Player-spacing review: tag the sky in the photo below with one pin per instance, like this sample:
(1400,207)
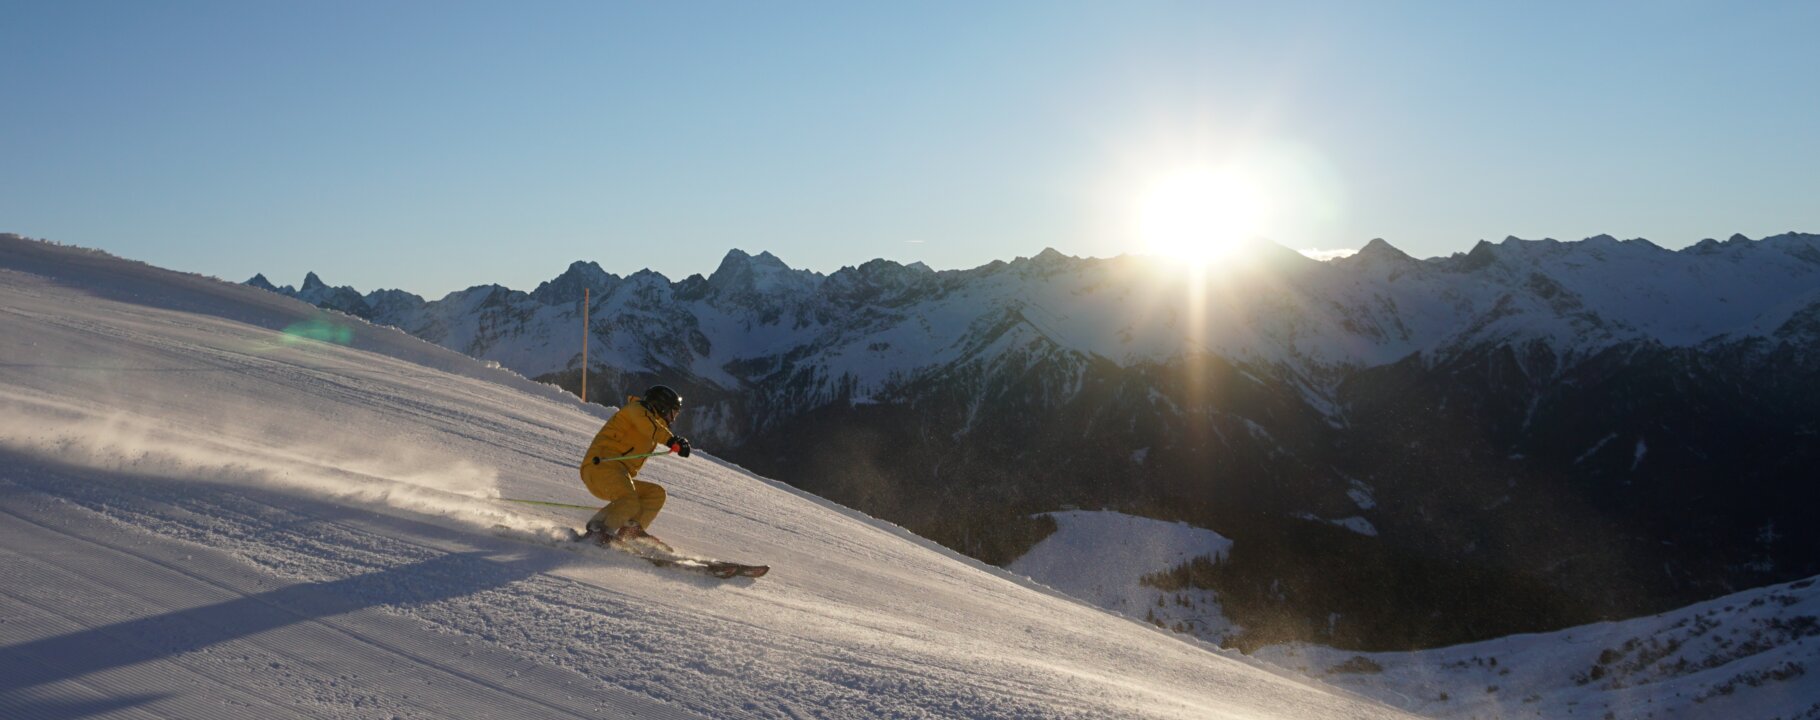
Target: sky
(432,146)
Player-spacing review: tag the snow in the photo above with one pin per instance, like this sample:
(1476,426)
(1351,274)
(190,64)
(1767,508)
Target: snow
(1101,557)
(201,516)
(1361,495)
(1751,654)
(1270,311)
(1357,524)
(1596,447)
(1354,523)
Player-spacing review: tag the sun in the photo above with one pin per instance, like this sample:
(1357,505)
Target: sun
(1200,214)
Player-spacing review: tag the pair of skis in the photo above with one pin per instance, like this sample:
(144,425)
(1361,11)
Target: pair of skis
(661,555)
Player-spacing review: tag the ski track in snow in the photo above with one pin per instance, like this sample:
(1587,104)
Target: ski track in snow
(203,518)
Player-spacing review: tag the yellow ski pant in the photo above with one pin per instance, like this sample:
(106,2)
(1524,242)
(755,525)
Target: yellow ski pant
(627,499)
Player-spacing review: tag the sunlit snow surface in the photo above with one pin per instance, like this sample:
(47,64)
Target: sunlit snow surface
(1753,654)
(1102,558)
(200,518)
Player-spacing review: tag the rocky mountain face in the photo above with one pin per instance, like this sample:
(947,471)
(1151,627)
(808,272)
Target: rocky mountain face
(1406,452)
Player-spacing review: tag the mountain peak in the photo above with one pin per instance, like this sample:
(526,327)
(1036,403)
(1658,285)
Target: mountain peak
(737,258)
(761,273)
(1047,260)
(763,283)
(346,299)
(1379,248)
(573,283)
(1709,246)
(1482,255)
(258,280)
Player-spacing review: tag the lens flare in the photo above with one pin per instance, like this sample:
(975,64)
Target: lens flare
(1200,214)
(317,330)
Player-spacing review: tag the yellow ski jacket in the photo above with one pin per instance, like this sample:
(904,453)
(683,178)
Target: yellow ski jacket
(633,430)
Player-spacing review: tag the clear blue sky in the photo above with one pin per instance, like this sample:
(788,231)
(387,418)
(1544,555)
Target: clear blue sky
(437,145)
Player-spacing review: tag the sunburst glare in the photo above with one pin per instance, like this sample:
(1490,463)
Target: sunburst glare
(1198,214)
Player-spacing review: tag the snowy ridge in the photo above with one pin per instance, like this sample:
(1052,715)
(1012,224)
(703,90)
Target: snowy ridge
(209,516)
(880,325)
(102,276)
(1752,654)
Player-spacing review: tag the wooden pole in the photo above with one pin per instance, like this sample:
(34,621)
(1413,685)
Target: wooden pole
(584,343)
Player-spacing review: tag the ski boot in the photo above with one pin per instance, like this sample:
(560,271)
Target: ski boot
(631,535)
(597,534)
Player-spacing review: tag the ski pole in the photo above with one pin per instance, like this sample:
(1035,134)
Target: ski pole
(666,451)
(547,504)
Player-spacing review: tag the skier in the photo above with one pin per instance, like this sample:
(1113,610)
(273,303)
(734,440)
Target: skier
(638,428)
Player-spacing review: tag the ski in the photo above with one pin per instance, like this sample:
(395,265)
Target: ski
(665,557)
(662,555)
(722,569)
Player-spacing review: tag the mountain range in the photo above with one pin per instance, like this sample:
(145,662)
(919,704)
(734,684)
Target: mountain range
(1405,452)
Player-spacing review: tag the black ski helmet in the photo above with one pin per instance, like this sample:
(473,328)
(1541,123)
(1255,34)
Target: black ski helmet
(663,401)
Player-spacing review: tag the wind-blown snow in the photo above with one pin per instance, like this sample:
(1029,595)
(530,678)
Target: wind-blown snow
(205,516)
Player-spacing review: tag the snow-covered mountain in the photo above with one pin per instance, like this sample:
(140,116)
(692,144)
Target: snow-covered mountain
(1586,430)
(219,502)
(882,324)
(1744,655)
(1750,654)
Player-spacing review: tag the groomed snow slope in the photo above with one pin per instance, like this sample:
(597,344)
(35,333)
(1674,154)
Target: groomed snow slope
(203,516)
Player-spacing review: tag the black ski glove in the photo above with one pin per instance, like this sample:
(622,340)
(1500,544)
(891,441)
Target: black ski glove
(679,445)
